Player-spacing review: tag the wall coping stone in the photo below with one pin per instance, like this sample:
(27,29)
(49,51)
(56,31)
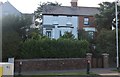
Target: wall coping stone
(49,59)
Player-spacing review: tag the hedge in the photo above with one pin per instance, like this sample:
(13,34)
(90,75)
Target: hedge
(46,48)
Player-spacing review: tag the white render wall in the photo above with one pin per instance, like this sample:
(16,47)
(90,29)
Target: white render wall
(60,21)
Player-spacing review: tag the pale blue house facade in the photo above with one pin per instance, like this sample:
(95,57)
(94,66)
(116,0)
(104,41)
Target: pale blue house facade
(55,26)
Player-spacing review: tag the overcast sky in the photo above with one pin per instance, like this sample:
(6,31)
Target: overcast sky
(29,6)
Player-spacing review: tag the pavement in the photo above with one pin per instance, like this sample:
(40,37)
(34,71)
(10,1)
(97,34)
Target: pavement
(99,71)
(106,72)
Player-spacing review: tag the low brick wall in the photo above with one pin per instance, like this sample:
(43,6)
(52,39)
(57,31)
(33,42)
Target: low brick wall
(50,64)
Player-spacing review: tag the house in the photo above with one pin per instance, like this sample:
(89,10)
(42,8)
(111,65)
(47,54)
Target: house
(59,19)
(87,20)
(56,21)
(9,9)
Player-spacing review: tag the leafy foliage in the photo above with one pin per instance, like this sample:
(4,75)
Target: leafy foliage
(106,39)
(40,8)
(47,48)
(12,32)
(68,35)
(82,34)
(85,35)
(106,15)
(106,42)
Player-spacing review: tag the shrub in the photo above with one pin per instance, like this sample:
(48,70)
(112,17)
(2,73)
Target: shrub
(47,48)
(106,42)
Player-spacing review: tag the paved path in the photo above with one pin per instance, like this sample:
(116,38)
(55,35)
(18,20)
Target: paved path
(100,71)
(106,72)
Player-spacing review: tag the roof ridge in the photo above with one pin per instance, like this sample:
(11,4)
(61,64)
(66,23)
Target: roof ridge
(68,10)
(75,7)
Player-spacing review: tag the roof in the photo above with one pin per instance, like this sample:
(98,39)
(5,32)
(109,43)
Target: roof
(66,10)
(7,7)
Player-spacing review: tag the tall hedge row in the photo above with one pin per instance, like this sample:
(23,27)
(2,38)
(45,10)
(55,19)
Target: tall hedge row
(46,48)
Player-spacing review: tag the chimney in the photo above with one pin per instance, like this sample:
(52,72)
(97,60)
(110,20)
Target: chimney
(1,3)
(74,3)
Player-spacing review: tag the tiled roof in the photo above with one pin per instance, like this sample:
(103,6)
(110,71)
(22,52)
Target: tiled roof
(66,10)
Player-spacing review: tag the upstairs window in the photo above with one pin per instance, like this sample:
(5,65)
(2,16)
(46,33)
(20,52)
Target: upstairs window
(86,21)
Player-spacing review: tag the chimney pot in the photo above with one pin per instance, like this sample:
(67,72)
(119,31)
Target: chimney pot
(74,3)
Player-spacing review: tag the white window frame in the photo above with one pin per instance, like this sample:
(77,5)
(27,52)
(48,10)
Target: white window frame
(86,21)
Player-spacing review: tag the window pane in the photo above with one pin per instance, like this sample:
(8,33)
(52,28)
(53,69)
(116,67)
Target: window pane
(48,33)
(91,34)
(86,21)
(60,33)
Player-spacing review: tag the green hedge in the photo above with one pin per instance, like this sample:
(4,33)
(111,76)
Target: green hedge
(46,48)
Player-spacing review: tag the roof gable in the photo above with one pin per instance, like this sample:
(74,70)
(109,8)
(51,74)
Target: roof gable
(7,7)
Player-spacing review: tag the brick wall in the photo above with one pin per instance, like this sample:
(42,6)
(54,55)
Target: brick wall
(50,64)
(91,22)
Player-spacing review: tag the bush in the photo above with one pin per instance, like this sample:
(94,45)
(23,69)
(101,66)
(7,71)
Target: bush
(106,42)
(46,48)
(68,35)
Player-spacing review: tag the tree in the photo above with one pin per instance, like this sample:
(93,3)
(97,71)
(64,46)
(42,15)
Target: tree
(105,17)
(24,26)
(85,35)
(39,10)
(82,34)
(13,28)
(106,42)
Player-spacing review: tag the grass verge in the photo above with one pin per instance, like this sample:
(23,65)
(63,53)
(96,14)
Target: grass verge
(60,74)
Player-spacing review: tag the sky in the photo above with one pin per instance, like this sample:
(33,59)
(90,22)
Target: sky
(29,6)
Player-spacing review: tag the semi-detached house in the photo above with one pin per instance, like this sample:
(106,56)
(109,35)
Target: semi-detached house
(59,19)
